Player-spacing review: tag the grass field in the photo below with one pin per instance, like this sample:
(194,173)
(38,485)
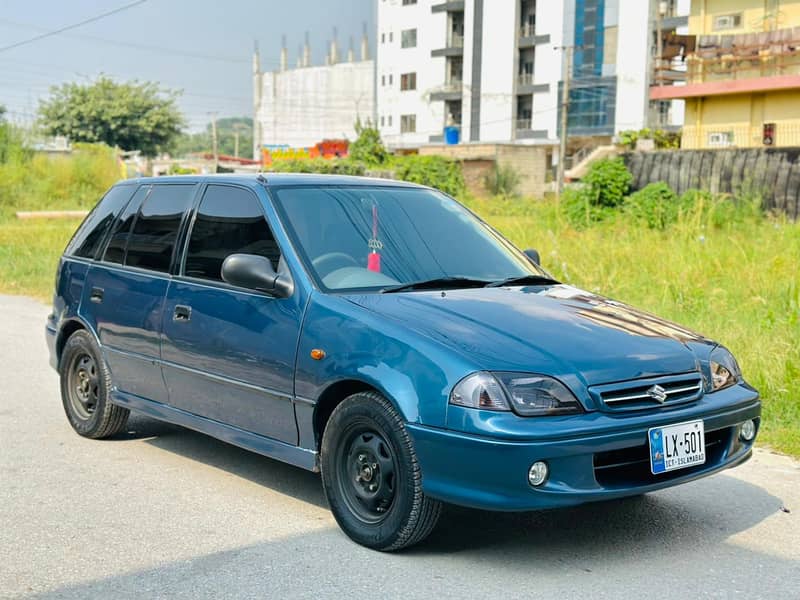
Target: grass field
(738,283)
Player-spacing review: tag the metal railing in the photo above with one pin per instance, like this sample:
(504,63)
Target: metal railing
(525,79)
(527,30)
(740,136)
(735,56)
(455,40)
(524,123)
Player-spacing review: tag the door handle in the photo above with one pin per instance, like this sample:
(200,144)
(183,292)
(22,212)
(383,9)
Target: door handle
(96,295)
(182,313)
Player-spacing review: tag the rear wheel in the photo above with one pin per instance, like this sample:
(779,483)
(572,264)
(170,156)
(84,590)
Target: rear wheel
(85,386)
(371,475)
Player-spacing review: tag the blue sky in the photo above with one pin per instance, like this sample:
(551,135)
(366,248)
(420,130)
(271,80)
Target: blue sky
(202,47)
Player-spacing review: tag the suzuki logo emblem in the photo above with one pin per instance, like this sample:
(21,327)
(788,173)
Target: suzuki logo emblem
(657,393)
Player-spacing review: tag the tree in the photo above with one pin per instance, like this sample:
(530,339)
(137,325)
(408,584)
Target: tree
(131,115)
(227,129)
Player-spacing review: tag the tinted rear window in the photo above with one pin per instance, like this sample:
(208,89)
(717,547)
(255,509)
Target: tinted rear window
(118,240)
(92,232)
(152,241)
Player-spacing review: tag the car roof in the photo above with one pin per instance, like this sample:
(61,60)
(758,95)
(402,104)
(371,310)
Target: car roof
(274,179)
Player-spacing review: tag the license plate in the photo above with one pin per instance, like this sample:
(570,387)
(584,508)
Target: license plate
(677,446)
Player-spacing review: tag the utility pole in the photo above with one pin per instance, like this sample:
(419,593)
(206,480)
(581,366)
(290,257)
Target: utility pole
(214,144)
(238,128)
(562,140)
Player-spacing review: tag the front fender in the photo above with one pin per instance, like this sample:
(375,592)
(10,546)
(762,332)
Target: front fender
(414,372)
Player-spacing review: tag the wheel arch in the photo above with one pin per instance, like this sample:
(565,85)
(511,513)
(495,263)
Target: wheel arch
(66,330)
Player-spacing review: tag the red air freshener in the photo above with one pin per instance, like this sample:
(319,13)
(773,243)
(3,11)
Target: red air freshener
(374,258)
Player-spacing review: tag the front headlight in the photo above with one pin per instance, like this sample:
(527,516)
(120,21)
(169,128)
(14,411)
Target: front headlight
(527,394)
(724,370)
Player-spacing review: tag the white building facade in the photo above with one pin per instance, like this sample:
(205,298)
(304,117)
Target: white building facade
(299,107)
(494,68)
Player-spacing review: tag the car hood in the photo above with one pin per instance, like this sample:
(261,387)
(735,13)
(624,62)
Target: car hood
(555,329)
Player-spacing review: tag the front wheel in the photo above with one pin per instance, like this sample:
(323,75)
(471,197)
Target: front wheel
(371,475)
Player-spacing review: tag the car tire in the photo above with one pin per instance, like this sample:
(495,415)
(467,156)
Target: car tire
(85,387)
(371,476)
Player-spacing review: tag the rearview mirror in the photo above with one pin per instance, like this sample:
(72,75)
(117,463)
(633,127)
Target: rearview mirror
(255,272)
(533,255)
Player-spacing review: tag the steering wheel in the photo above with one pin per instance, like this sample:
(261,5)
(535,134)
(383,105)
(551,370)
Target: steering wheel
(331,261)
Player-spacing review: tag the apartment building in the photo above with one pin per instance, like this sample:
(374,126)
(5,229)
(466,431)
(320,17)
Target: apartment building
(742,79)
(495,69)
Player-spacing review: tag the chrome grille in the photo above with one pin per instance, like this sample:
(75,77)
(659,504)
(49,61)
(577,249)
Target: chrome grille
(655,392)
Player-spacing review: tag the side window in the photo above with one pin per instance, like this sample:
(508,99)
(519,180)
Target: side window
(229,221)
(115,249)
(92,232)
(155,230)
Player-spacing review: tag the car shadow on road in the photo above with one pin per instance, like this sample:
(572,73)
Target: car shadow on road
(279,476)
(694,515)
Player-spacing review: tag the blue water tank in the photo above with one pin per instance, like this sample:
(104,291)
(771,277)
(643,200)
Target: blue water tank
(452,135)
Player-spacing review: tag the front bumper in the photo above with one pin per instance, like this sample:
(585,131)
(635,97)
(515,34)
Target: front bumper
(605,460)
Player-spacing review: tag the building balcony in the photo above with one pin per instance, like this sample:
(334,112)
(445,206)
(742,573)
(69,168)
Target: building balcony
(523,123)
(451,6)
(727,64)
(454,47)
(526,85)
(451,90)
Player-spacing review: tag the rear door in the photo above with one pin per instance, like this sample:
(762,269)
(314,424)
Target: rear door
(124,292)
(228,352)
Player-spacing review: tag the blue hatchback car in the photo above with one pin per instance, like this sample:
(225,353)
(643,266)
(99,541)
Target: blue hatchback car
(384,335)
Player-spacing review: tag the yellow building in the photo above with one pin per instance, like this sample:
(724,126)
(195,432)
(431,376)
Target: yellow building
(742,74)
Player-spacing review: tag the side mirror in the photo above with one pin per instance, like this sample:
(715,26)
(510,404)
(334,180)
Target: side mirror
(255,272)
(533,255)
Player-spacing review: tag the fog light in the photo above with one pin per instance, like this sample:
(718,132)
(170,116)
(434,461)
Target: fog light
(748,431)
(537,473)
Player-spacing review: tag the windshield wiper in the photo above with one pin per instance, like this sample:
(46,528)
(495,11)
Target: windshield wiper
(522,280)
(437,283)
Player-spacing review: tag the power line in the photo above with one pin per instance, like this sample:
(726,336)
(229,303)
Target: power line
(73,26)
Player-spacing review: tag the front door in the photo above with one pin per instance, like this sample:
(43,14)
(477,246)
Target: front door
(228,353)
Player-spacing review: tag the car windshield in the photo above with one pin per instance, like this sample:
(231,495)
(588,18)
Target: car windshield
(375,238)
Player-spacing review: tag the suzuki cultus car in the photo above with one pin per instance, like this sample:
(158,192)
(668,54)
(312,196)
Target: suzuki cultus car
(384,335)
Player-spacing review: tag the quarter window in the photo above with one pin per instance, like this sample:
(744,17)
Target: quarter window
(152,241)
(86,241)
(229,221)
(118,240)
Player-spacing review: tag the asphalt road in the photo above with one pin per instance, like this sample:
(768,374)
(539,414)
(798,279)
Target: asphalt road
(165,512)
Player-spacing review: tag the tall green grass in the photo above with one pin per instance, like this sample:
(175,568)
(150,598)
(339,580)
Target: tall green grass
(736,280)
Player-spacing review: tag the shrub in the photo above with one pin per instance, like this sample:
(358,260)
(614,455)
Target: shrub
(503,180)
(661,139)
(580,210)
(368,147)
(435,171)
(607,182)
(318,165)
(655,204)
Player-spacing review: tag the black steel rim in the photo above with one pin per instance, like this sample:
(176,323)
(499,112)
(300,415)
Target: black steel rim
(83,386)
(367,474)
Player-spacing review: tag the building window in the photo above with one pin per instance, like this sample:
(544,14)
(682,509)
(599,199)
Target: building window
(382,121)
(383,80)
(408,38)
(733,21)
(408,123)
(408,81)
(720,139)
(391,79)
(383,38)
(389,120)
(409,2)
(391,36)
